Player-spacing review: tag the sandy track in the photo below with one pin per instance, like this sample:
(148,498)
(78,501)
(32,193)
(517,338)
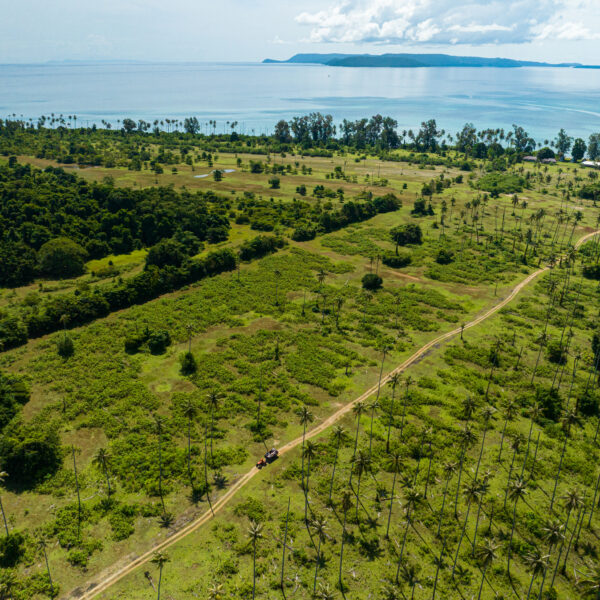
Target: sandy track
(106,580)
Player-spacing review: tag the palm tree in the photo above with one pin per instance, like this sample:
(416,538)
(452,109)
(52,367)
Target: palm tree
(568,418)
(542,340)
(538,563)
(78,491)
(213,401)
(410,574)
(160,559)
(510,411)
(338,434)
(484,488)
(362,463)
(325,592)
(375,404)
(277,275)
(309,452)
(394,382)
(189,412)
(394,463)
(515,445)
(255,533)
(572,500)
(42,545)
(472,492)
(591,583)
(319,525)
(160,473)
(101,461)
(346,504)
(413,499)
(287,520)
(449,468)
(467,437)
(488,414)
(408,383)
(518,490)
(486,555)
(3,478)
(215,591)
(552,534)
(306,417)
(358,410)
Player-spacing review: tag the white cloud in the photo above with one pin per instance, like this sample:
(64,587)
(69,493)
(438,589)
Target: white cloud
(448,21)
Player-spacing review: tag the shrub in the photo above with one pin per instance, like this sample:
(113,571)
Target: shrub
(589,404)
(371,281)
(159,341)
(550,401)
(62,257)
(65,346)
(29,455)
(420,209)
(406,234)
(556,352)
(304,234)
(544,153)
(592,272)
(188,363)
(397,261)
(444,257)
(12,549)
(275,183)
(260,246)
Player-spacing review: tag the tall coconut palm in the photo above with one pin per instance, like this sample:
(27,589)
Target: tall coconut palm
(484,488)
(510,410)
(42,545)
(542,341)
(284,548)
(568,418)
(255,533)
(394,381)
(394,464)
(590,583)
(412,499)
(346,505)
(518,491)
(467,438)
(375,404)
(449,469)
(487,414)
(472,493)
(190,411)
(361,463)
(213,402)
(3,478)
(407,383)
(338,433)
(410,574)
(537,563)
(515,445)
(306,417)
(309,452)
(486,555)
(438,565)
(101,460)
(552,535)
(160,559)
(358,410)
(320,527)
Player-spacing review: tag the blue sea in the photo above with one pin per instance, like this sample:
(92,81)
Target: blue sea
(256,96)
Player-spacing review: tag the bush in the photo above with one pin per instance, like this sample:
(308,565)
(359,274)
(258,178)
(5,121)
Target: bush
(275,183)
(550,401)
(371,281)
(29,455)
(397,261)
(589,404)
(188,363)
(260,246)
(592,272)
(420,209)
(159,341)
(406,234)
(304,234)
(556,352)
(12,549)
(62,257)
(444,257)
(544,153)
(65,346)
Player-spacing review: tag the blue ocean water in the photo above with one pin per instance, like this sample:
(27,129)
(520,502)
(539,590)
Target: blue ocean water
(255,95)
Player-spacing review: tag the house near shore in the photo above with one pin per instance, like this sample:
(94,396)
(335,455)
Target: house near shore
(590,164)
(544,161)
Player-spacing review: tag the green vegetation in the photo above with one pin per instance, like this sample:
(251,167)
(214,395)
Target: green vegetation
(137,388)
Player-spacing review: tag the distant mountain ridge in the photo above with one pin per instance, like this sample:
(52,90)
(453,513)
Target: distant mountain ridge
(414,61)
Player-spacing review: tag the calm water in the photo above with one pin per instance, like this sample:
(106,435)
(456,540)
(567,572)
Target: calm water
(542,100)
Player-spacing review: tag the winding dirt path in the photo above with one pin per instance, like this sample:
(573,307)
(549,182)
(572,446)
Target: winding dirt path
(94,588)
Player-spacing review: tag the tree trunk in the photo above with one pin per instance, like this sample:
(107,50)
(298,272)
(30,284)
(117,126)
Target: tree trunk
(159,581)
(287,518)
(387,443)
(562,455)
(462,535)
(387,531)
(333,471)
(485,568)
(253,569)
(512,533)
(4,517)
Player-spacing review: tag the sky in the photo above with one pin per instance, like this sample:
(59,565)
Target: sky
(251,30)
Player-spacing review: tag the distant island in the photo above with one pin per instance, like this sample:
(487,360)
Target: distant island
(416,60)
